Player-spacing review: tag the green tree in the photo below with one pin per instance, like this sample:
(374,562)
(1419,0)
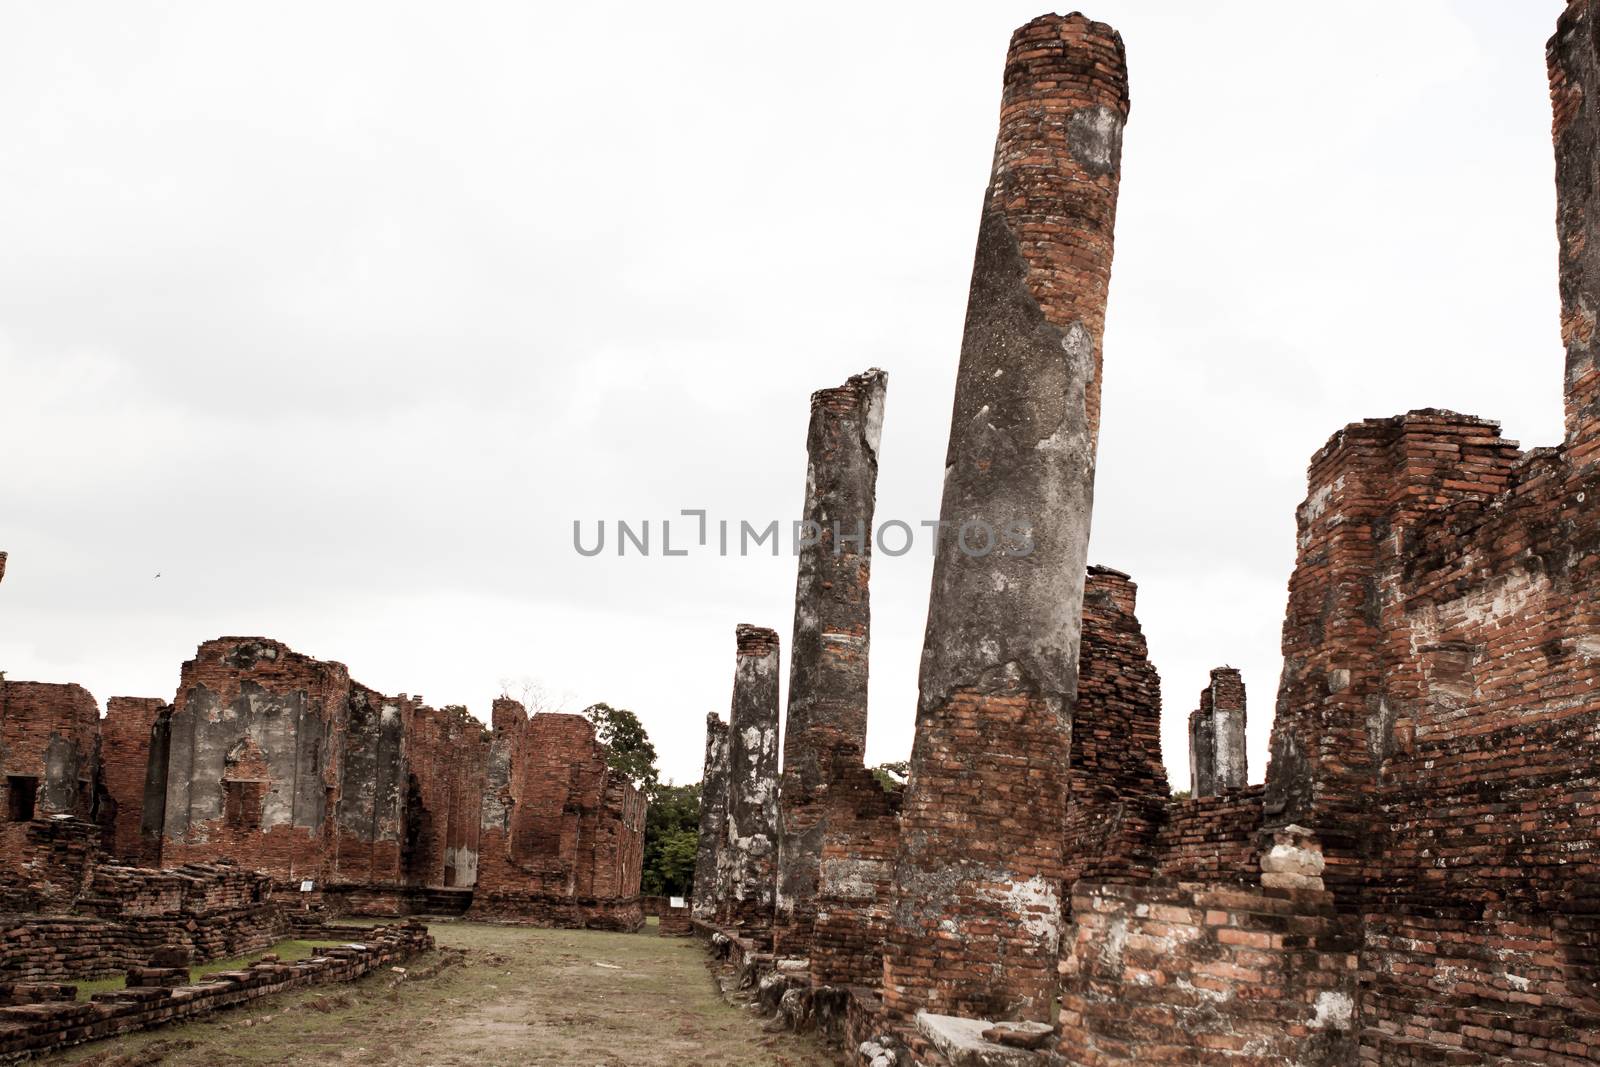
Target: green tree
(892,776)
(627,744)
(671,840)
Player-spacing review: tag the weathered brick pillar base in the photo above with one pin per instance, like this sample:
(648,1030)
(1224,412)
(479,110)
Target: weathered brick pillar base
(829,653)
(748,855)
(976,924)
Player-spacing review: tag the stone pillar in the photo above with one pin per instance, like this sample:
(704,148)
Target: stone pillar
(713,815)
(828,655)
(977,922)
(1217,760)
(1202,751)
(1573,55)
(748,856)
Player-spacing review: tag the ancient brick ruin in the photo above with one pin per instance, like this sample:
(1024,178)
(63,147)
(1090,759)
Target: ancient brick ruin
(1414,882)
(828,658)
(274,787)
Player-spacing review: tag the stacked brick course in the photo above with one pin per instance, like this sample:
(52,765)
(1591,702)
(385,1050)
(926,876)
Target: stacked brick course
(126,915)
(1117,784)
(829,654)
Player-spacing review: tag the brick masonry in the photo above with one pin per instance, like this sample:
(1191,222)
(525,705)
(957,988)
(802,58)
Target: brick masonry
(562,837)
(49,737)
(282,764)
(828,656)
(860,840)
(39,1019)
(1117,785)
(976,923)
(133,729)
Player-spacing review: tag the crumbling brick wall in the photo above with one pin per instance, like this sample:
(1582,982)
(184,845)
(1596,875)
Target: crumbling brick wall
(48,863)
(562,839)
(132,738)
(1441,692)
(372,808)
(1438,712)
(856,875)
(124,915)
(1211,839)
(254,760)
(49,737)
(1117,785)
(444,766)
(1185,974)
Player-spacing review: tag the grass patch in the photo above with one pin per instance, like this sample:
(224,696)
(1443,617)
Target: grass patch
(289,951)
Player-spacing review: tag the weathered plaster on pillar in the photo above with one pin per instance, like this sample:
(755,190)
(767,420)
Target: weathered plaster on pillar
(829,653)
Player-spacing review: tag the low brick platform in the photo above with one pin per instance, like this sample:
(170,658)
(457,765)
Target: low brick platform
(57,1021)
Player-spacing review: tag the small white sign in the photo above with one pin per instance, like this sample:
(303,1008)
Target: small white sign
(676,902)
(306,886)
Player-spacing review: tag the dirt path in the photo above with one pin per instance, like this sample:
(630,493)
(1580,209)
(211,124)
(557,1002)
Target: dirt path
(520,996)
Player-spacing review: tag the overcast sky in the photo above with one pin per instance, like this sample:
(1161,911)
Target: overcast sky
(338,316)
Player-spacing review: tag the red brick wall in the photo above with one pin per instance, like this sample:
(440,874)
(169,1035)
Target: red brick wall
(262,726)
(856,875)
(445,755)
(1212,839)
(1117,784)
(125,736)
(1375,489)
(1187,975)
(49,734)
(563,840)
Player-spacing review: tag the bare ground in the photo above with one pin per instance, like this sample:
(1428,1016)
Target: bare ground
(517,996)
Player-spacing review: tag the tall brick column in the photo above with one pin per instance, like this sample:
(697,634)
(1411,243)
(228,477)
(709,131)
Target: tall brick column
(748,857)
(713,816)
(1217,759)
(1573,55)
(976,925)
(828,657)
